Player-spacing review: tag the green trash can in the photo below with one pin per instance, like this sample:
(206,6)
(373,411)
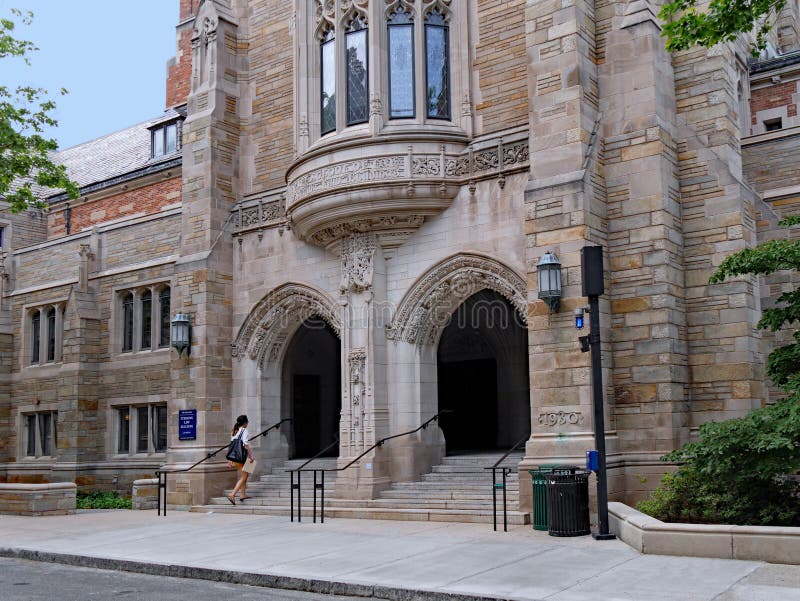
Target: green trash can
(539,482)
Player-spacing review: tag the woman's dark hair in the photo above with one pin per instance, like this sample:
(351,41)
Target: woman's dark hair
(240,421)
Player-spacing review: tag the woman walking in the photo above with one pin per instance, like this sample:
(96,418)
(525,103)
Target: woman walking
(240,431)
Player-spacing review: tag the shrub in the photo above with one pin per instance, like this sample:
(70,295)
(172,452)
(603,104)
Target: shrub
(102,500)
(736,472)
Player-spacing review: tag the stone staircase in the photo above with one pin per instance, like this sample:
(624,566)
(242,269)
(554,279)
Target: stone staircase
(457,490)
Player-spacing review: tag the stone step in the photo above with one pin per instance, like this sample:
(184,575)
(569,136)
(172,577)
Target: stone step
(425,515)
(445,496)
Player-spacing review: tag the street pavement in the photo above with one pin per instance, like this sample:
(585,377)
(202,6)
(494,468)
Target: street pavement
(385,559)
(22,580)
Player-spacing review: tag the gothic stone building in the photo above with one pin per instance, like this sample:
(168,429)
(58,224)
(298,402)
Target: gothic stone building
(349,199)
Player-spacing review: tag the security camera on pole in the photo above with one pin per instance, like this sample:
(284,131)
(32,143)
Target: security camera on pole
(592,279)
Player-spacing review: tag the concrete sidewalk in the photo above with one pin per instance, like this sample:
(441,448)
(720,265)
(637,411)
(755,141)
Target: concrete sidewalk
(394,560)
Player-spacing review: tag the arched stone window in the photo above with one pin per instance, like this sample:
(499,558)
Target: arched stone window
(127,322)
(400,45)
(356,69)
(164,302)
(146,320)
(36,330)
(437,65)
(51,334)
(327,53)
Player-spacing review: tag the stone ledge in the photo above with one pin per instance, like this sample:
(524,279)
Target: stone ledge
(58,498)
(648,535)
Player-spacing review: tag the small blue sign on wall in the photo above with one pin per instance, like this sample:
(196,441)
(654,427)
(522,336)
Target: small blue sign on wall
(187,424)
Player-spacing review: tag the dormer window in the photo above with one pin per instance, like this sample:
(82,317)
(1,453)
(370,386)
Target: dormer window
(164,139)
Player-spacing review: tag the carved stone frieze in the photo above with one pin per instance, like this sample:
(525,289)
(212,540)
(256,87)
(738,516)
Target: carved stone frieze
(400,227)
(429,304)
(266,330)
(262,214)
(349,173)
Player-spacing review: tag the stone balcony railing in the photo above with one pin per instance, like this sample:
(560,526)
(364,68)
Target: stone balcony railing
(389,187)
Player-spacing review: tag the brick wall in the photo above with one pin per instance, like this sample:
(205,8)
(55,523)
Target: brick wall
(501,62)
(774,96)
(179,69)
(144,201)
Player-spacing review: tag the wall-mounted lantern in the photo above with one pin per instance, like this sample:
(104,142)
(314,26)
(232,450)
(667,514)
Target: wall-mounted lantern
(181,333)
(549,273)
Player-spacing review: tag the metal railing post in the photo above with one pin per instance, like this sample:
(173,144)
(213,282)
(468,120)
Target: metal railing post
(314,514)
(505,504)
(494,497)
(291,496)
(299,497)
(322,507)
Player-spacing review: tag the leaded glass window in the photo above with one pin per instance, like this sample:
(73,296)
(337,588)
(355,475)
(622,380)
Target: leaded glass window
(356,62)
(159,422)
(124,441)
(401,65)
(141,429)
(127,323)
(328,83)
(45,425)
(147,322)
(437,66)
(51,336)
(164,321)
(30,428)
(36,333)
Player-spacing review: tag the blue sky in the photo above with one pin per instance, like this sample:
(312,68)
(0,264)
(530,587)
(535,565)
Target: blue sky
(110,54)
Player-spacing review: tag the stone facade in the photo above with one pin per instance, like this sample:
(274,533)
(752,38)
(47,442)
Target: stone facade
(568,124)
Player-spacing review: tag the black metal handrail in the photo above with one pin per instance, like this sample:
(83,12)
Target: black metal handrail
(298,471)
(344,467)
(505,470)
(162,473)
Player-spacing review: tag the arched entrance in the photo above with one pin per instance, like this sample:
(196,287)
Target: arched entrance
(312,394)
(482,373)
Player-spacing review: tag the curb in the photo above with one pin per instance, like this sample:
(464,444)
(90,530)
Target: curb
(309,585)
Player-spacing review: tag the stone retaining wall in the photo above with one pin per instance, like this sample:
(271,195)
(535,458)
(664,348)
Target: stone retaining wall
(38,499)
(145,493)
(648,535)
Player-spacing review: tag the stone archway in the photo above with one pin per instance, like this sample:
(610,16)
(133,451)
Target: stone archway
(420,321)
(261,347)
(427,307)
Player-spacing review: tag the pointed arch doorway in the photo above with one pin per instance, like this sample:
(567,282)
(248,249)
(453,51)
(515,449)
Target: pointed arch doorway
(311,385)
(482,374)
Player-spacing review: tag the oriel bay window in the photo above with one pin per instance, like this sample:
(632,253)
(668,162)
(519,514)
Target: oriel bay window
(45,327)
(141,429)
(145,318)
(413,62)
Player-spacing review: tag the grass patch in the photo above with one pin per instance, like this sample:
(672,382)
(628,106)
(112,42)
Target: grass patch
(102,500)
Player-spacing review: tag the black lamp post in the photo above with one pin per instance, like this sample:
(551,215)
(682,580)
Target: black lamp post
(592,276)
(181,333)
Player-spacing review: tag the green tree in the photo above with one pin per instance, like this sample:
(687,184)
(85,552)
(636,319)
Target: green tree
(24,113)
(737,471)
(686,24)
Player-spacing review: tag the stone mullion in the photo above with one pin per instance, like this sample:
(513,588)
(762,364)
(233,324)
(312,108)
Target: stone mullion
(155,313)
(137,320)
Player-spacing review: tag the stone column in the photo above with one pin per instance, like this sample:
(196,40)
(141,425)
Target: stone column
(365,412)
(564,211)
(203,271)
(646,266)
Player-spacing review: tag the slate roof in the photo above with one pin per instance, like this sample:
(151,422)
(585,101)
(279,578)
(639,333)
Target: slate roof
(112,156)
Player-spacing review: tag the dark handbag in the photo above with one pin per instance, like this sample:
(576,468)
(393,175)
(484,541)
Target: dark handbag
(237,451)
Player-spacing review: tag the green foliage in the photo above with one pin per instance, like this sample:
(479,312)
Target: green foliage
(102,500)
(24,113)
(737,472)
(685,25)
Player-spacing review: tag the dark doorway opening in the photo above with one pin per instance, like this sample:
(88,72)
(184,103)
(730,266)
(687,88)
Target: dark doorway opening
(482,370)
(312,380)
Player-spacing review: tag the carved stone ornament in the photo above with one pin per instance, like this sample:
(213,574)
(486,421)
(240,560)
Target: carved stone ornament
(393,5)
(358,252)
(427,307)
(266,330)
(560,418)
